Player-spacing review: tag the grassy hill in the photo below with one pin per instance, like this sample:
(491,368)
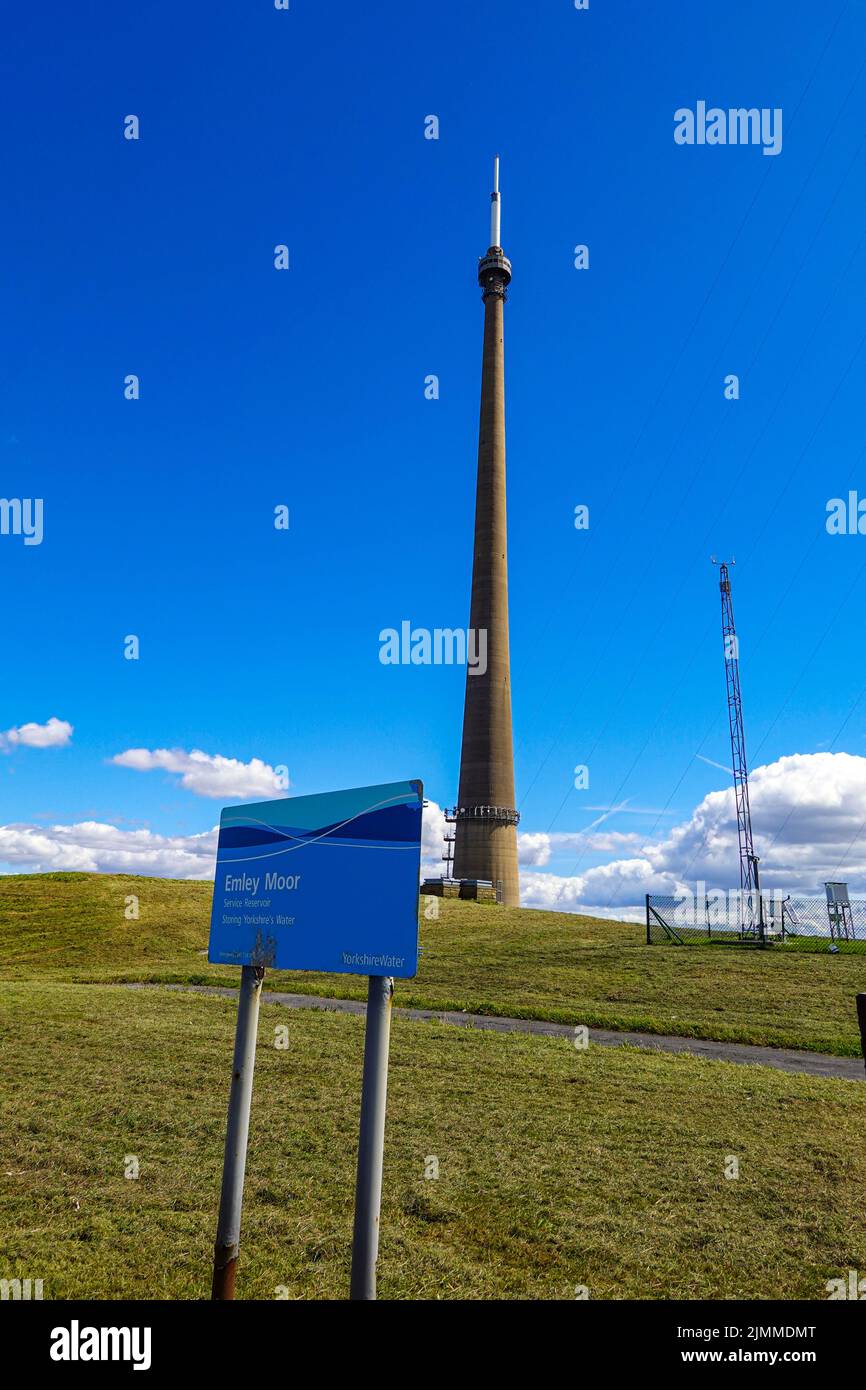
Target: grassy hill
(510,962)
(557,1168)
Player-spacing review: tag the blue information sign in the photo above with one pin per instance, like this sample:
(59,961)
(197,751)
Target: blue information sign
(321,882)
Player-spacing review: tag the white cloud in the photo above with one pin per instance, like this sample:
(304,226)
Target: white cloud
(808,812)
(433,829)
(809,825)
(555,893)
(809,822)
(55,734)
(94,847)
(209,774)
(533,848)
(536,847)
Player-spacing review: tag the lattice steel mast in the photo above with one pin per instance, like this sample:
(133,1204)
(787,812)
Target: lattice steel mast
(751,915)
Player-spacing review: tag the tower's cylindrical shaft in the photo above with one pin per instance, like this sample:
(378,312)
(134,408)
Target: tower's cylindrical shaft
(486,832)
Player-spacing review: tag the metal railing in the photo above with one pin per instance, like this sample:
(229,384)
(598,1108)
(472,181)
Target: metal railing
(506,815)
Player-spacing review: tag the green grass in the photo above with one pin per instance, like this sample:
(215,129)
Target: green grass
(492,960)
(556,1167)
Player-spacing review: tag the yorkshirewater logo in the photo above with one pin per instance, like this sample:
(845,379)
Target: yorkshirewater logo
(77,1343)
(361,958)
(739,125)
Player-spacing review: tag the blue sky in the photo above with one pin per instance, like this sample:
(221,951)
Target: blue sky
(306,388)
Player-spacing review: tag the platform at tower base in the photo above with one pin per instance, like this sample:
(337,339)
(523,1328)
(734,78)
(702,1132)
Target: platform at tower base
(479,890)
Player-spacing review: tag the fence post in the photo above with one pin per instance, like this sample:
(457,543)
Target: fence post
(861,1019)
(649,941)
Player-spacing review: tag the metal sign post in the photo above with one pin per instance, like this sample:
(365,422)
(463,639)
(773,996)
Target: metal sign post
(371,1140)
(225,1257)
(282,871)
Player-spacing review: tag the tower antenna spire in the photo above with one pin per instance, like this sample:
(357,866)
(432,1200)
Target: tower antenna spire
(495,207)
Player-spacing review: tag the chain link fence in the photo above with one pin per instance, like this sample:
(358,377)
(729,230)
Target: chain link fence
(768,919)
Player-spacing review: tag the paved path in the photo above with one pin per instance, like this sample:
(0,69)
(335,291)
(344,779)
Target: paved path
(812,1063)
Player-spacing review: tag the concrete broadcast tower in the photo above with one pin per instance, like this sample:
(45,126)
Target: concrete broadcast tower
(485,842)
